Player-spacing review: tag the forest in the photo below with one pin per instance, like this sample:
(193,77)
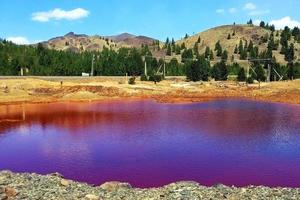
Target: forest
(39,61)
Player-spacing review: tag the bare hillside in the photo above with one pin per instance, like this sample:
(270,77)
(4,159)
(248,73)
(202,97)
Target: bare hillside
(237,32)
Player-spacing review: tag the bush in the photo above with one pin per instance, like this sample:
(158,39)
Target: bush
(219,71)
(131,81)
(241,75)
(250,80)
(156,78)
(144,78)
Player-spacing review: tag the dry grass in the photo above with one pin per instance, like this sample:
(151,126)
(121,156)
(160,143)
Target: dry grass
(243,32)
(39,90)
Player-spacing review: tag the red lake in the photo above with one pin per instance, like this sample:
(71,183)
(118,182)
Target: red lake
(233,142)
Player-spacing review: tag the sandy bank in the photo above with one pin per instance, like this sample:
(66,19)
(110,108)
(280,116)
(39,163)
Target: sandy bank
(169,91)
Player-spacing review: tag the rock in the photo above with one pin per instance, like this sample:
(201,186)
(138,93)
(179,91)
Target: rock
(56,174)
(91,197)
(10,192)
(34,186)
(115,185)
(3,197)
(65,182)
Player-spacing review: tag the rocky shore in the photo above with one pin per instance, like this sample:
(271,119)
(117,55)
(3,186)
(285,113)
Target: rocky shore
(54,186)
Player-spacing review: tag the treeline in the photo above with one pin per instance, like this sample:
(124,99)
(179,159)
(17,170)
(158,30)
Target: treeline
(45,62)
(37,60)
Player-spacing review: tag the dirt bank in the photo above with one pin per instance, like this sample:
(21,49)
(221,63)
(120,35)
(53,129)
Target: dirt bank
(169,91)
(34,187)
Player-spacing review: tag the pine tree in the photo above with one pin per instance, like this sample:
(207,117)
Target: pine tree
(196,50)
(250,47)
(187,55)
(260,73)
(199,40)
(183,46)
(167,43)
(218,48)
(177,50)
(236,49)
(198,70)
(211,56)
(207,52)
(232,58)
(169,50)
(228,37)
(262,24)
(241,75)
(224,56)
(250,22)
(219,71)
(290,53)
(241,47)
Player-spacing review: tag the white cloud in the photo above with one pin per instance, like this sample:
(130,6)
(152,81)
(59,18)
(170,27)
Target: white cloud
(18,40)
(249,6)
(59,14)
(257,22)
(220,11)
(232,10)
(258,12)
(285,21)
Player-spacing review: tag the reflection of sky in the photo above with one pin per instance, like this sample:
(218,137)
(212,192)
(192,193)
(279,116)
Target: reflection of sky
(150,144)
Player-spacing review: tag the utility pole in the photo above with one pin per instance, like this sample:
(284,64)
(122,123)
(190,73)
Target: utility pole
(269,73)
(92,69)
(145,72)
(268,60)
(164,70)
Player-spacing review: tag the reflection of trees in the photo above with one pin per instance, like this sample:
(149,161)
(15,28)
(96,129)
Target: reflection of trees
(228,120)
(71,117)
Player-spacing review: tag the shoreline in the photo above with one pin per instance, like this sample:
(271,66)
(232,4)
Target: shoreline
(132,99)
(54,186)
(34,90)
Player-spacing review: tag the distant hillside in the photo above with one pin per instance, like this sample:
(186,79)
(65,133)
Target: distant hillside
(80,42)
(228,35)
(237,32)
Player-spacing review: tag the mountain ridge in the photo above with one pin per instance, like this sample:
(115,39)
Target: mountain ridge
(229,37)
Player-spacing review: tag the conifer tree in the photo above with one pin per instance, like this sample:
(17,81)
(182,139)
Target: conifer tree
(207,52)
(241,75)
(169,50)
(236,49)
(224,56)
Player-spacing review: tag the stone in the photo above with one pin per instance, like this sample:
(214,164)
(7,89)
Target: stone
(115,185)
(56,174)
(65,182)
(10,192)
(3,197)
(91,197)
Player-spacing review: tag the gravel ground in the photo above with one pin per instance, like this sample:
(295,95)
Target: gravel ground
(54,186)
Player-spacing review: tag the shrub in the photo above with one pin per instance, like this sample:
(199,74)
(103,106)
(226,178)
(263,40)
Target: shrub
(131,81)
(241,75)
(250,80)
(144,78)
(156,78)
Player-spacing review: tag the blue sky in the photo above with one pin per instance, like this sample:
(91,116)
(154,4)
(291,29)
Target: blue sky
(27,21)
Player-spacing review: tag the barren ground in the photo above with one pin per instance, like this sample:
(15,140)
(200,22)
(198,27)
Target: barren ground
(49,89)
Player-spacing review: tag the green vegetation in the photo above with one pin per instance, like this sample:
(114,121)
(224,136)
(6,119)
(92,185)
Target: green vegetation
(197,70)
(37,60)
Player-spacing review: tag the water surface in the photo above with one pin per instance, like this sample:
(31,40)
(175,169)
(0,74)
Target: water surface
(234,142)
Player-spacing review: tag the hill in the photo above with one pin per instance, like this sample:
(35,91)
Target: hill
(246,33)
(81,42)
(229,37)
